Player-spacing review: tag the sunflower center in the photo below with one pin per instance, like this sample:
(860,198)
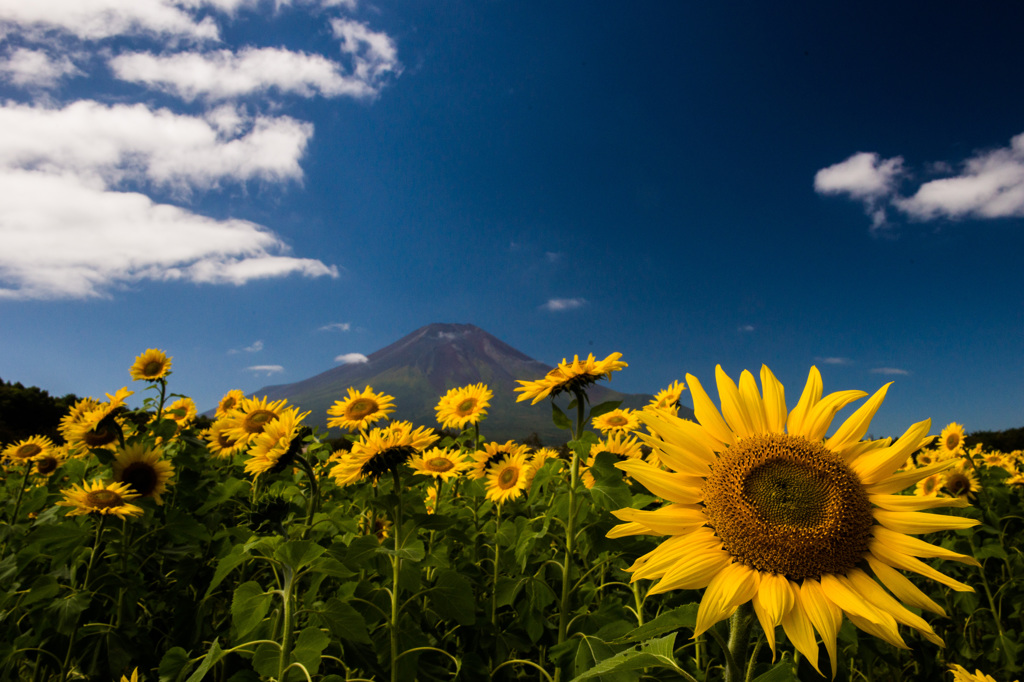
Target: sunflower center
(958,483)
(257,420)
(952,441)
(507,478)
(360,409)
(466,406)
(617,420)
(103,499)
(152,368)
(141,477)
(783,504)
(46,465)
(27,450)
(99,436)
(440,464)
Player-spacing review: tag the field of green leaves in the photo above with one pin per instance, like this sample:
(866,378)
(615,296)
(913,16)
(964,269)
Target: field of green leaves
(144,548)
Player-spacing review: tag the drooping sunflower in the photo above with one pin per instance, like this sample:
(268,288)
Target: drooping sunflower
(762,508)
(507,478)
(379,451)
(144,469)
(27,450)
(951,441)
(667,399)
(621,444)
(98,497)
(270,450)
(484,459)
(462,406)
(47,463)
(617,421)
(150,366)
(251,416)
(360,409)
(570,376)
(97,425)
(440,463)
(230,401)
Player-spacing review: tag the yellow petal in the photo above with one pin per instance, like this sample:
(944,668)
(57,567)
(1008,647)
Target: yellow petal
(658,561)
(820,416)
(914,547)
(707,414)
(876,466)
(897,559)
(626,529)
(901,586)
(915,502)
(693,572)
(691,435)
(774,599)
(854,450)
(810,396)
(774,401)
(798,629)
(901,481)
(733,409)
(874,593)
(842,593)
(733,585)
(916,523)
(664,484)
(672,519)
(823,616)
(676,456)
(752,399)
(856,425)
(878,631)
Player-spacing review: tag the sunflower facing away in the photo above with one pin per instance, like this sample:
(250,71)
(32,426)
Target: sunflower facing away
(462,406)
(360,409)
(107,499)
(440,463)
(507,478)
(569,376)
(150,366)
(762,508)
(379,451)
(144,469)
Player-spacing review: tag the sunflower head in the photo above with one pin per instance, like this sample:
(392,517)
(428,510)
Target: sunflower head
(277,446)
(668,399)
(462,406)
(360,409)
(182,411)
(47,463)
(250,418)
(150,366)
(617,421)
(379,451)
(485,459)
(231,400)
(573,377)
(951,440)
(961,481)
(218,442)
(507,478)
(144,469)
(440,463)
(100,498)
(27,450)
(621,444)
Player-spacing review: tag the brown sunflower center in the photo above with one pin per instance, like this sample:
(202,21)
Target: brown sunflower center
(360,409)
(508,477)
(99,436)
(27,450)
(439,464)
(224,441)
(930,485)
(783,504)
(152,368)
(46,465)
(466,406)
(617,420)
(958,483)
(257,420)
(142,477)
(953,441)
(103,499)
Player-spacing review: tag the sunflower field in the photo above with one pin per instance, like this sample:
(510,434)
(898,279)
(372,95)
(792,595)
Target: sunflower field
(762,542)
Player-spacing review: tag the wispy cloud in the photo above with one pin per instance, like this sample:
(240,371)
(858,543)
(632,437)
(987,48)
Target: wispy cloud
(745,328)
(352,359)
(265,369)
(256,347)
(35,69)
(890,371)
(834,361)
(560,304)
(336,327)
(553,257)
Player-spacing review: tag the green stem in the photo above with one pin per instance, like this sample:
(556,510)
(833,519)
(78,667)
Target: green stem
(739,638)
(570,526)
(163,397)
(21,492)
(85,586)
(638,600)
(314,493)
(288,628)
(396,568)
(494,582)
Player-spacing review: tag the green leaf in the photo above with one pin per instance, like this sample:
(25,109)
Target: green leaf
(225,565)
(360,550)
(298,553)
(610,492)
(211,658)
(452,597)
(68,609)
(267,660)
(249,605)
(683,617)
(655,653)
(344,621)
(782,672)
(592,651)
(604,408)
(558,417)
(308,649)
(44,587)
(222,492)
(173,665)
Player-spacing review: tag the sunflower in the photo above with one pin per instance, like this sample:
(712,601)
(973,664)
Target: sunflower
(251,416)
(961,480)
(49,461)
(27,450)
(360,409)
(183,411)
(371,523)
(150,366)
(270,449)
(617,421)
(107,499)
(134,677)
(70,423)
(507,478)
(430,501)
(570,376)
(951,441)
(667,399)
(960,674)
(542,455)
(440,463)
(621,444)
(218,442)
(379,451)
(484,459)
(462,406)
(97,425)
(230,401)
(929,486)
(144,469)
(761,507)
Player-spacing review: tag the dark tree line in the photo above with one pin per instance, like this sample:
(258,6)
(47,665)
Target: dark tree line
(30,411)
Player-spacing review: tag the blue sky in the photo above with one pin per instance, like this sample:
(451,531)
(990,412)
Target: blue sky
(265,190)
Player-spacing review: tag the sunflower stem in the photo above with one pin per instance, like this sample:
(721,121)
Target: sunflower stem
(396,568)
(570,526)
(85,586)
(314,493)
(21,491)
(286,624)
(497,553)
(739,638)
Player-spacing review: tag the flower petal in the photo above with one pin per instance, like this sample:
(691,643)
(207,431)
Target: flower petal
(915,502)
(916,523)
(755,405)
(810,396)
(664,484)
(798,629)
(733,408)
(875,466)
(693,572)
(707,414)
(820,416)
(734,585)
(856,425)
(672,519)
(874,593)
(774,598)
(901,586)
(774,401)
(825,616)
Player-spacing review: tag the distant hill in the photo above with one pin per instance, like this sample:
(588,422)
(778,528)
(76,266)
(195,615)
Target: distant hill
(419,368)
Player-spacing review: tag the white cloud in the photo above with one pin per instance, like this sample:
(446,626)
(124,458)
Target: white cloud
(36,68)
(863,176)
(256,347)
(560,304)
(65,237)
(265,369)
(834,361)
(745,328)
(225,74)
(336,326)
(352,359)
(890,371)
(373,54)
(98,19)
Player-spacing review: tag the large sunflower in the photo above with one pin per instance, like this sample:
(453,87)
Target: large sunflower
(27,450)
(152,365)
(144,469)
(252,415)
(379,451)
(507,478)
(269,449)
(761,507)
(360,409)
(484,459)
(569,376)
(461,406)
(440,463)
(106,499)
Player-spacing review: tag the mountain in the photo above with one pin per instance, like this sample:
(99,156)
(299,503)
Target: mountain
(419,368)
